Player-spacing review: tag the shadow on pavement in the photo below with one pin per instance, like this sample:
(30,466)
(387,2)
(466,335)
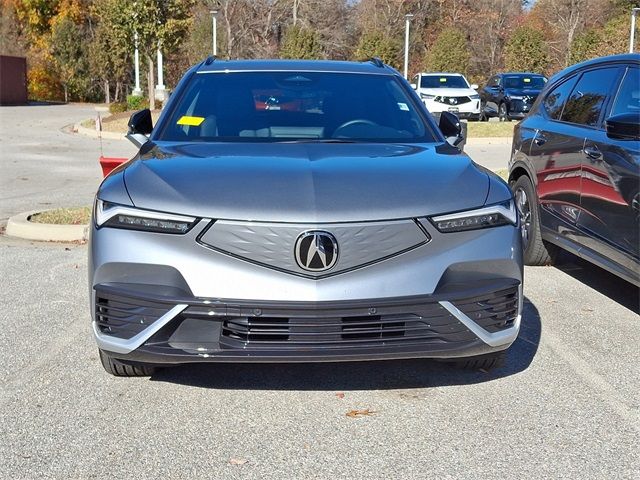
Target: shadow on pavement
(375,375)
(617,289)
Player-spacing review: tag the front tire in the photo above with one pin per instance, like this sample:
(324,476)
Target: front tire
(119,369)
(535,250)
(485,362)
(503,114)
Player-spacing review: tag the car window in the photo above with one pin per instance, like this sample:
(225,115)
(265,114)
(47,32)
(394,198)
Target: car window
(443,81)
(628,98)
(277,106)
(588,97)
(555,100)
(522,82)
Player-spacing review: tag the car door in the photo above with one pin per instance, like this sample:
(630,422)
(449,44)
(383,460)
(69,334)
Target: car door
(556,156)
(490,96)
(609,198)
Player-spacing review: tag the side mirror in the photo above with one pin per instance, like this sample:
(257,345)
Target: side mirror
(414,86)
(624,126)
(140,127)
(474,86)
(451,127)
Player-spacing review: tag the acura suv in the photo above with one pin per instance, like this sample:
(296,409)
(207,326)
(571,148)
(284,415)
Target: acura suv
(346,226)
(448,92)
(575,167)
(509,96)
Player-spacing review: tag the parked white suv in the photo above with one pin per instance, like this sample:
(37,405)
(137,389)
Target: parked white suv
(448,92)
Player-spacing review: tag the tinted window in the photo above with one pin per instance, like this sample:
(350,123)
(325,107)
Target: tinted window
(276,106)
(443,81)
(521,82)
(588,97)
(628,98)
(494,82)
(555,100)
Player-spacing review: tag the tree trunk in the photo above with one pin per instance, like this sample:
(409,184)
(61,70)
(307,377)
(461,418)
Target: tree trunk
(107,93)
(66,96)
(116,94)
(150,84)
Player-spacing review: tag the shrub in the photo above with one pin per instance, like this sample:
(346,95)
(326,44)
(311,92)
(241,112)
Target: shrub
(117,107)
(135,102)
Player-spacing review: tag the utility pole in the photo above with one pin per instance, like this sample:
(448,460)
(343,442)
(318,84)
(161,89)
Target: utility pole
(214,21)
(632,37)
(407,19)
(136,58)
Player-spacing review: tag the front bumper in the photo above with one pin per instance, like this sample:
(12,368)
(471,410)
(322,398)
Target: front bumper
(164,325)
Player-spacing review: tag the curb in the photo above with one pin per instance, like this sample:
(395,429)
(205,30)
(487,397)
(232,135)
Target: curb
(92,132)
(20,226)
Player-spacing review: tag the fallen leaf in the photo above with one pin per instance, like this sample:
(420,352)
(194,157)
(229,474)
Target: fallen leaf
(340,395)
(67,249)
(365,412)
(587,309)
(237,461)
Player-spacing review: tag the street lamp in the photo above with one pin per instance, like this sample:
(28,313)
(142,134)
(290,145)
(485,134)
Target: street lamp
(634,12)
(214,20)
(136,58)
(407,18)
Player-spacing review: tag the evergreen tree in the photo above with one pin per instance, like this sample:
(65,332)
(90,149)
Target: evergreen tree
(377,44)
(449,53)
(302,43)
(526,51)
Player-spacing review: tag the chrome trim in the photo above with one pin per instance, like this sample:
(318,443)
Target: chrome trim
(103,215)
(508,213)
(123,345)
(504,337)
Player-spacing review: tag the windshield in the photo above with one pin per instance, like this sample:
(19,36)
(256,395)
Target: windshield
(443,81)
(286,106)
(521,82)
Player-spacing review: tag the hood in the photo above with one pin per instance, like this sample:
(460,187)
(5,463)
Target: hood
(532,92)
(449,92)
(305,182)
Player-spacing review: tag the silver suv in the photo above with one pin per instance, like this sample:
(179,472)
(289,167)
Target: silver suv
(332,222)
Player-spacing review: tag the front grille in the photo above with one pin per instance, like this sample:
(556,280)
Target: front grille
(123,317)
(492,311)
(453,101)
(433,325)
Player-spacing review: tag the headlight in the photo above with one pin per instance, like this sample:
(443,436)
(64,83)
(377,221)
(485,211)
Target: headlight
(474,97)
(119,216)
(425,96)
(485,217)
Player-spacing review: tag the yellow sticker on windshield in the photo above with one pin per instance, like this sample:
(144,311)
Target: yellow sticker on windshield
(526,80)
(191,121)
(443,79)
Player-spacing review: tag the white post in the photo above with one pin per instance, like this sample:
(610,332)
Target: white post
(214,26)
(407,18)
(160,84)
(136,58)
(632,36)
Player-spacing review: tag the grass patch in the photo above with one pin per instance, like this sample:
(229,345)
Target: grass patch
(63,216)
(490,129)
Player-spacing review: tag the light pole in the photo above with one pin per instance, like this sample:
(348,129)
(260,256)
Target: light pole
(136,59)
(634,12)
(407,19)
(214,21)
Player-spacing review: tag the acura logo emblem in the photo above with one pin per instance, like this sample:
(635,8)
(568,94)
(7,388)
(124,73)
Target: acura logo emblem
(453,101)
(316,251)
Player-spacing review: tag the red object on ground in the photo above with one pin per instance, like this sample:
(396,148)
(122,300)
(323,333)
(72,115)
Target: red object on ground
(109,163)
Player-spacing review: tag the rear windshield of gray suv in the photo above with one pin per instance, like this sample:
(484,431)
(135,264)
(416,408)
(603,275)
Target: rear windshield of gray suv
(286,106)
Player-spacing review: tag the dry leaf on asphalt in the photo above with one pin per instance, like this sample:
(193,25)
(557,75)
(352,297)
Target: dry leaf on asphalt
(237,461)
(365,412)
(340,395)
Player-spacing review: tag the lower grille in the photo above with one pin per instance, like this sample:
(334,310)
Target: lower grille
(433,324)
(492,311)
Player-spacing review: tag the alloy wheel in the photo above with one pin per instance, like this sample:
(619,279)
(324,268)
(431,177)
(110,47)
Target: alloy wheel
(524,212)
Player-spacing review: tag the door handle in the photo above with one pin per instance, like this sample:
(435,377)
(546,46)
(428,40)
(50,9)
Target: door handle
(540,140)
(592,152)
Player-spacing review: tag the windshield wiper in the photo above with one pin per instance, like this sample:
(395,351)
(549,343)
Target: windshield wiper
(319,140)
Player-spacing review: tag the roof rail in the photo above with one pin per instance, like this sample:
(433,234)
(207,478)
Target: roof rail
(210,60)
(377,62)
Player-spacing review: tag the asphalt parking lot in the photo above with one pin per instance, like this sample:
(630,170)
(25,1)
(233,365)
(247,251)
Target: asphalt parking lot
(565,406)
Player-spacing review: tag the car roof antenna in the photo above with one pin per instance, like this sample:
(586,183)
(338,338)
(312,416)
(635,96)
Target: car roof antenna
(377,62)
(210,60)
